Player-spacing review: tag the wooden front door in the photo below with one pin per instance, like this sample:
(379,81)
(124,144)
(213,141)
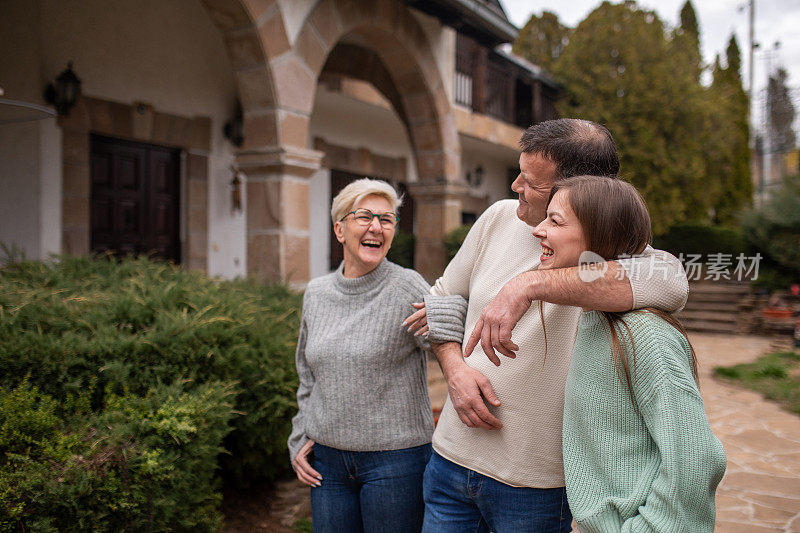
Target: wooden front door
(135,198)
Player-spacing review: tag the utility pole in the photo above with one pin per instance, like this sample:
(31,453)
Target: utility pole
(753,45)
(750,5)
(768,148)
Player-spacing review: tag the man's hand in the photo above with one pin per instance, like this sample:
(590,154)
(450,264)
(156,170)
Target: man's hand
(498,319)
(303,469)
(417,321)
(468,388)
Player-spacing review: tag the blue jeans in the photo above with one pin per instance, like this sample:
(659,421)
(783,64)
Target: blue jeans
(368,491)
(458,499)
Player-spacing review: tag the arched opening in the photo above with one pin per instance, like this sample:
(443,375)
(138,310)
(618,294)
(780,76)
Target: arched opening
(359,123)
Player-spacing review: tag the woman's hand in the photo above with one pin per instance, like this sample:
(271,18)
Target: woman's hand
(303,469)
(418,321)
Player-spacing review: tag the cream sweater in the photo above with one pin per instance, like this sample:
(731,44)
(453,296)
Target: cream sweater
(527,451)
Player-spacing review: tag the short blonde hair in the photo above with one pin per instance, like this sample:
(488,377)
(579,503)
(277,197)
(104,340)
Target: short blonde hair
(358,190)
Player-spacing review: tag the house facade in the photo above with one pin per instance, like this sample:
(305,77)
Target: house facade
(214,133)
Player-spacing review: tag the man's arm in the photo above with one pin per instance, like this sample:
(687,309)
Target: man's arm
(655,279)
(467,387)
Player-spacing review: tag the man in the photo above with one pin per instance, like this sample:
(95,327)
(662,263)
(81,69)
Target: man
(499,467)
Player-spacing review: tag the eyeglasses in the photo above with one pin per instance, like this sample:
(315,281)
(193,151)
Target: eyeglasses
(363,217)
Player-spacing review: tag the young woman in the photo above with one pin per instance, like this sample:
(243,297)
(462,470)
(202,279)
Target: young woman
(639,454)
(361,437)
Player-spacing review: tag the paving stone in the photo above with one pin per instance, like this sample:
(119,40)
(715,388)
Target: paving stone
(764,441)
(771,515)
(761,488)
(791,505)
(741,527)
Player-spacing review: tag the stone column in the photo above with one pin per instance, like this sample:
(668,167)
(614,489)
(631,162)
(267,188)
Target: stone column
(76,180)
(438,211)
(278,197)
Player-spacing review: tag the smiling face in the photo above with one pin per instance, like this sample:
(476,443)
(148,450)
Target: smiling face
(364,246)
(561,233)
(536,177)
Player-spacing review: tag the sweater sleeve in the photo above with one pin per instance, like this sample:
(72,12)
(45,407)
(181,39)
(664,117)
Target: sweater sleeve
(446,317)
(692,458)
(420,289)
(657,280)
(298,436)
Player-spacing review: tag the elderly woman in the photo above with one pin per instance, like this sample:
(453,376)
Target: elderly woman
(361,437)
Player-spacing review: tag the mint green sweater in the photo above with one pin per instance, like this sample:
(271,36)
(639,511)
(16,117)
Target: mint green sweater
(655,470)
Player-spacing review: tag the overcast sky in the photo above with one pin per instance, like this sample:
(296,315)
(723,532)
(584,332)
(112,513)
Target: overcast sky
(775,20)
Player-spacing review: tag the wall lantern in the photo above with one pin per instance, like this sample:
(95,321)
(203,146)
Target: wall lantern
(236,190)
(475,177)
(63,94)
(234,128)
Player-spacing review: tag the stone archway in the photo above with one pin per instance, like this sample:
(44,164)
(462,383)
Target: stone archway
(274,155)
(276,81)
(393,53)
(389,30)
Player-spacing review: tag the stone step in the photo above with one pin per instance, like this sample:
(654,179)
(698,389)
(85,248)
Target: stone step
(723,297)
(723,307)
(709,327)
(706,316)
(720,287)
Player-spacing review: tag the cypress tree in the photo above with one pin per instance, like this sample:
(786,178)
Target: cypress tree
(728,151)
(781,113)
(687,37)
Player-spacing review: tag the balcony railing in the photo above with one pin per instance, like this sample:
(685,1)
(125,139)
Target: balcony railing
(491,83)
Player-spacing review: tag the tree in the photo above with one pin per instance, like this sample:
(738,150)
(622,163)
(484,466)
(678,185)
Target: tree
(542,39)
(684,145)
(687,38)
(734,57)
(727,150)
(621,69)
(781,113)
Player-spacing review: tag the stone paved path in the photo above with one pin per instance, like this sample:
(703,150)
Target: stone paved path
(761,487)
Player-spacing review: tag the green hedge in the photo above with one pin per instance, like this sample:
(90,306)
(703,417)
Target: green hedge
(773,230)
(702,239)
(402,250)
(454,239)
(122,383)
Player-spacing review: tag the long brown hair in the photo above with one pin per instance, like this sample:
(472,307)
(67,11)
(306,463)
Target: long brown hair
(616,224)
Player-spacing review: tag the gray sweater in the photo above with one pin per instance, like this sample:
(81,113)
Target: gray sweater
(363,376)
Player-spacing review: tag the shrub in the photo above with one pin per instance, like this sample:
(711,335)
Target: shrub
(454,239)
(773,230)
(150,372)
(402,250)
(688,238)
(141,464)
